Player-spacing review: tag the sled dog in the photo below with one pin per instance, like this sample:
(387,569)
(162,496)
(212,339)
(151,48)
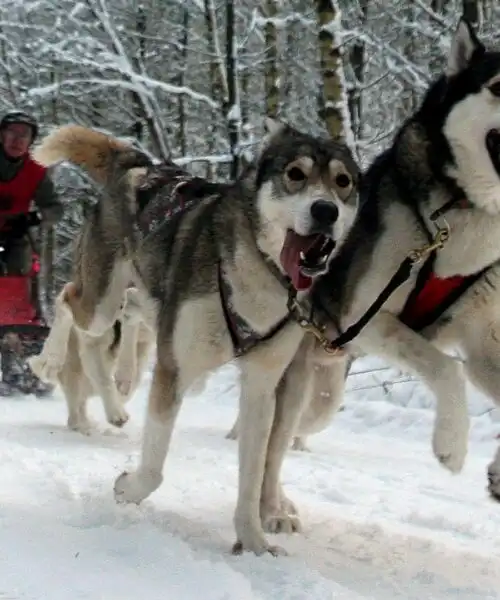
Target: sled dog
(109,365)
(215,282)
(444,158)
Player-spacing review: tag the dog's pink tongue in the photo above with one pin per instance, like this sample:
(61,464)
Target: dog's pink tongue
(290,258)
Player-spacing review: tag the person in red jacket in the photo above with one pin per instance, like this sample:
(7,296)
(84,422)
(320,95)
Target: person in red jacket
(27,194)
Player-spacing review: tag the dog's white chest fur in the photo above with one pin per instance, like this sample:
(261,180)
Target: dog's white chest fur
(257,295)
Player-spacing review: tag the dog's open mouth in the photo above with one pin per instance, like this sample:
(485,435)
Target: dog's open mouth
(493,147)
(304,257)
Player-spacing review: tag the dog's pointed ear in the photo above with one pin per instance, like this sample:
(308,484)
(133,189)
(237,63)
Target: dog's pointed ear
(272,129)
(273,126)
(464,46)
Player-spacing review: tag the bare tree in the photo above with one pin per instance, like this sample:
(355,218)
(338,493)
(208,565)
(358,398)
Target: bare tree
(269,10)
(357,64)
(231,105)
(331,68)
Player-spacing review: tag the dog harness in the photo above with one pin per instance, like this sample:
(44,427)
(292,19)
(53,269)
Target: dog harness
(433,295)
(180,193)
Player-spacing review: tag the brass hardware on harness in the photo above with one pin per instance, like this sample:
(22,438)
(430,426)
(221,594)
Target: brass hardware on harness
(441,237)
(309,327)
(402,274)
(325,343)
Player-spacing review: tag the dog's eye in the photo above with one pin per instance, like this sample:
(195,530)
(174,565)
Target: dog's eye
(495,89)
(343,180)
(296,174)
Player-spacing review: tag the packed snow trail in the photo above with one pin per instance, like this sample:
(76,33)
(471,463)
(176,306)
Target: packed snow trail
(382,520)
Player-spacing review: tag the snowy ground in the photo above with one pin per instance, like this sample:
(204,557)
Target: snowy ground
(382,520)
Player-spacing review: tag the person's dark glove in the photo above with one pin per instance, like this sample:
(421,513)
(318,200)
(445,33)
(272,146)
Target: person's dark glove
(19,225)
(33,219)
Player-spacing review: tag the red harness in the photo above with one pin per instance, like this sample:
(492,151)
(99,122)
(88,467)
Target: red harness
(16,195)
(435,293)
(432,295)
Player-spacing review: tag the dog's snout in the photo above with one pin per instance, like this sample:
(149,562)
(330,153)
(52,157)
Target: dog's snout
(325,213)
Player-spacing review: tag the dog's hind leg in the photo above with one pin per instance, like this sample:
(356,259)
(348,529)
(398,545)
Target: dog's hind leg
(77,389)
(143,352)
(77,394)
(98,366)
(163,406)
(482,352)
(261,372)
(138,324)
(96,308)
(385,336)
(126,365)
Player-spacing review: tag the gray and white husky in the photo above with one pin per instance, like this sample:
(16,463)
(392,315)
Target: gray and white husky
(229,259)
(446,156)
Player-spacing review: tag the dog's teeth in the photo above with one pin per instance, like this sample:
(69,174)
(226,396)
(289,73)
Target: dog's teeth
(302,256)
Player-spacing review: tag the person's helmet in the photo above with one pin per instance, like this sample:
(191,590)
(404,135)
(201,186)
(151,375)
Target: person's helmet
(18,116)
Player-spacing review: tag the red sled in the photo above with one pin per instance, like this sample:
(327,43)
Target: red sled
(23,329)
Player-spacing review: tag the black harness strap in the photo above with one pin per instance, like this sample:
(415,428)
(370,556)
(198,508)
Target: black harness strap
(400,276)
(243,337)
(181,192)
(422,278)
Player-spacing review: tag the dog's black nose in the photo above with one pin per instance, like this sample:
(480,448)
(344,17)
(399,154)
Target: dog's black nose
(324,213)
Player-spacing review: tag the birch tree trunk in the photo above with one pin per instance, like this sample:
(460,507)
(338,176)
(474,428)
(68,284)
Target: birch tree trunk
(232,108)
(331,68)
(357,63)
(181,108)
(269,11)
(217,79)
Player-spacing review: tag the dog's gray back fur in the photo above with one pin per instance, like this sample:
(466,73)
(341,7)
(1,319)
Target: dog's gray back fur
(181,259)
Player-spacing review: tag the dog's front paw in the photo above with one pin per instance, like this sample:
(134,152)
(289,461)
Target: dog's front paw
(494,478)
(450,441)
(83,426)
(258,545)
(117,416)
(281,523)
(299,444)
(280,516)
(133,488)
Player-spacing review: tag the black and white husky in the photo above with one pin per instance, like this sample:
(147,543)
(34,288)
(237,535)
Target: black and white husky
(446,156)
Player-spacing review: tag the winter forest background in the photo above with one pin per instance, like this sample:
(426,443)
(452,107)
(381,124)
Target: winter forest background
(192,79)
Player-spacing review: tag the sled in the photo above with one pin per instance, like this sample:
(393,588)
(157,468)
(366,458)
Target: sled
(23,329)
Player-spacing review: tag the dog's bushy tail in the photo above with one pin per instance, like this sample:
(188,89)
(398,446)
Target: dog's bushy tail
(102,156)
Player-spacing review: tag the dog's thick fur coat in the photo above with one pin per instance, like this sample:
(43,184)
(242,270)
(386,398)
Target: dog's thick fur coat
(449,150)
(299,188)
(109,365)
